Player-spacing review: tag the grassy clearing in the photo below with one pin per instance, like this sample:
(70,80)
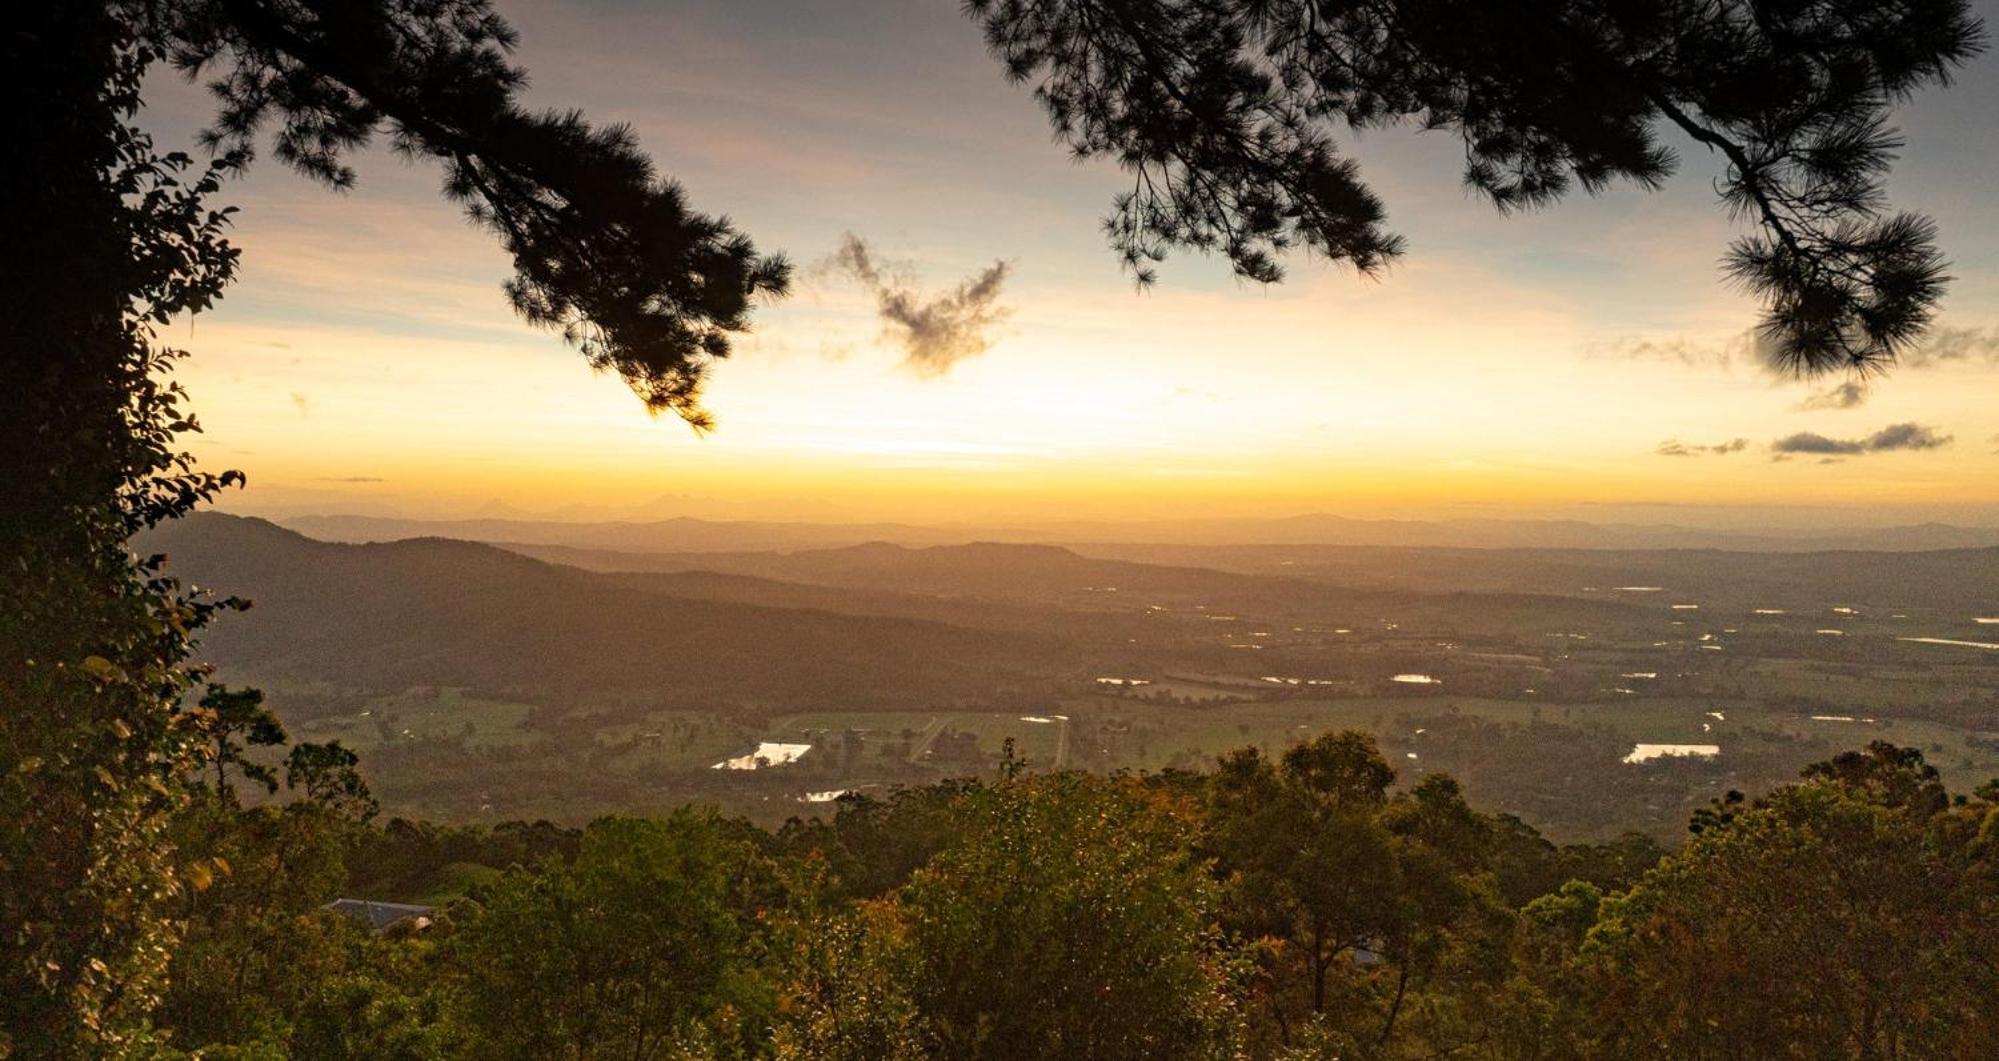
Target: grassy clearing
(426,714)
(676,740)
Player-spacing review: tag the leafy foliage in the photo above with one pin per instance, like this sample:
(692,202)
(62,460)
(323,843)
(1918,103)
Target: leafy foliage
(633,950)
(1106,948)
(107,240)
(1822,922)
(1060,915)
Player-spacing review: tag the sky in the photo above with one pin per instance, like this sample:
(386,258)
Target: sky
(1582,360)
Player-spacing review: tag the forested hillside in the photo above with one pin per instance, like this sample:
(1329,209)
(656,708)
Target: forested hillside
(1291,907)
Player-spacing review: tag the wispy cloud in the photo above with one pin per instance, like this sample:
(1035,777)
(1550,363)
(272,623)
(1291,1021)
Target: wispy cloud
(1673,447)
(1905,436)
(936,331)
(1694,353)
(350,479)
(1848,395)
(1941,347)
(302,404)
(1946,346)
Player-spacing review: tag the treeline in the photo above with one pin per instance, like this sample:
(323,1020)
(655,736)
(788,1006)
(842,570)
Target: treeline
(1302,906)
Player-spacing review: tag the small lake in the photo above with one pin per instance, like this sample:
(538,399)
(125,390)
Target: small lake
(1641,753)
(768,753)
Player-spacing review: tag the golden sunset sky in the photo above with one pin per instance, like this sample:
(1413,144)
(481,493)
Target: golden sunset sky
(367,361)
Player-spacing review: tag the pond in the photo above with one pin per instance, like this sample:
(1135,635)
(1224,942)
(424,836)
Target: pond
(1646,752)
(768,753)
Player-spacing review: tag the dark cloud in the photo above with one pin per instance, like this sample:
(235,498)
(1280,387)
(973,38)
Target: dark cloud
(351,479)
(1847,395)
(1673,447)
(1808,442)
(1909,436)
(935,332)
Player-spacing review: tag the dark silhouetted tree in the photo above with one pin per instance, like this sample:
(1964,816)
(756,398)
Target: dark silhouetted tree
(1225,111)
(106,241)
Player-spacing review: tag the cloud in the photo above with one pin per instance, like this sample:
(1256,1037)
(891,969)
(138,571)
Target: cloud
(1943,346)
(1847,395)
(1673,447)
(1809,442)
(1693,353)
(350,479)
(1907,436)
(302,404)
(1949,345)
(935,332)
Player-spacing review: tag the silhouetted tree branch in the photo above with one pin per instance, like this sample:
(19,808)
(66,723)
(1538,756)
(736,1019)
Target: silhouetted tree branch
(604,250)
(1226,109)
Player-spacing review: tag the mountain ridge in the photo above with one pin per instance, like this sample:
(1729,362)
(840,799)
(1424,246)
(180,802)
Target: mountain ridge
(691,534)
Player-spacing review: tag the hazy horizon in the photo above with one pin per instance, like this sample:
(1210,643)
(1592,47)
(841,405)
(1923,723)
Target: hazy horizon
(286,503)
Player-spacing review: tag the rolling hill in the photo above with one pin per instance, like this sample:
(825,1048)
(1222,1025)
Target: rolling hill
(453,613)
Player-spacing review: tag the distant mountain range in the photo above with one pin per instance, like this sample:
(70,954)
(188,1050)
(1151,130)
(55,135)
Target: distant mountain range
(887,625)
(688,535)
(878,623)
(440,612)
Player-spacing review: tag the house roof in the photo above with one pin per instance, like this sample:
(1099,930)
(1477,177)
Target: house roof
(378,915)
